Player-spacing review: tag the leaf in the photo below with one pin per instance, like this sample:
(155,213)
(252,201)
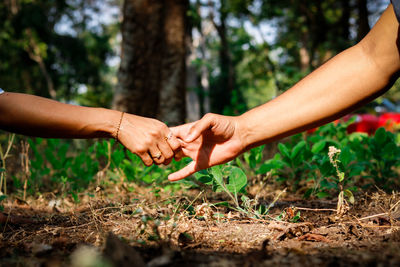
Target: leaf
(380,136)
(308,193)
(345,156)
(299,147)
(218,177)
(237,180)
(2,197)
(264,168)
(296,218)
(349,195)
(284,150)
(200,174)
(205,179)
(2,170)
(356,170)
(325,184)
(341,176)
(317,147)
(357,136)
(322,194)
(223,203)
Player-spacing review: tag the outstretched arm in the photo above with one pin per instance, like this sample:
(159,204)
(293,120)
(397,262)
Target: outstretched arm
(347,81)
(42,117)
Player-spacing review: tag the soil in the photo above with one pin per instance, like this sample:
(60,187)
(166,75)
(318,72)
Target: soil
(145,228)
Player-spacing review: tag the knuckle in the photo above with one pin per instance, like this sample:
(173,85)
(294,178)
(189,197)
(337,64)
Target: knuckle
(169,154)
(141,149)
(146,143)
(208,116)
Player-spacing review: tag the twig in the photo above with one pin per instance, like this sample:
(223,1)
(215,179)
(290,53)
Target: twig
(381,214)
(310,209)
(373,216)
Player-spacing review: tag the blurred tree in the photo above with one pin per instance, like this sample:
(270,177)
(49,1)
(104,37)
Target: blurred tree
(37,58)
(151,78)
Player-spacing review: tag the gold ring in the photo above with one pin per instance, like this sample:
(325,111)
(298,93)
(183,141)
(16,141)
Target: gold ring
(169,136)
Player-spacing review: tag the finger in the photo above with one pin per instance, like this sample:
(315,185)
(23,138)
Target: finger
(167,161)
(182,130)
(173,143)
(183,173)
(179,155)
(156,155)
(147,160)
(199,127)
(165,150)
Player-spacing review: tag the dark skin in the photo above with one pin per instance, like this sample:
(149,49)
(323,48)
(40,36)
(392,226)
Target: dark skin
(41,117)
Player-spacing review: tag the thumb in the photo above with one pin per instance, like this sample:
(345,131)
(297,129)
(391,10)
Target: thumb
(182,130)
(199,127)
(183,173)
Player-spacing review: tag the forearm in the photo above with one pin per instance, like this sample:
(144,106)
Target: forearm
(349,80)
(41,117)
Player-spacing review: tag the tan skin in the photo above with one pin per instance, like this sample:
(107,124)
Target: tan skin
(347,81)
(42,117)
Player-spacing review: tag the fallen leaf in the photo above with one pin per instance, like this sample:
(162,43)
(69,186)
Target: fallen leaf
(313,237)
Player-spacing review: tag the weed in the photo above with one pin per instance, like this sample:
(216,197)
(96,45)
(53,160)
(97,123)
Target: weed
(3,156)
(342,205)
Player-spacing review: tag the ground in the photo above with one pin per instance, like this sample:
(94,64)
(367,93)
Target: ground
(148,228)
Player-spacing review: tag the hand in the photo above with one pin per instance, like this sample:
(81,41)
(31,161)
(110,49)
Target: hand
(213,140)
(149,138)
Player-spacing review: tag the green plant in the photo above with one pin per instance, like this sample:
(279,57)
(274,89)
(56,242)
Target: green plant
(303,162)
(225,178)
(2,198)
(342,206)
(382,155)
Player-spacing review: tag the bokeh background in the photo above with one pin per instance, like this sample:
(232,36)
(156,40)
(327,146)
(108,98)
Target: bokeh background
(174,60)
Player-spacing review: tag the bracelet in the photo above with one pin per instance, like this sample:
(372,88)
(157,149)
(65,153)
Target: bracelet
(119,126)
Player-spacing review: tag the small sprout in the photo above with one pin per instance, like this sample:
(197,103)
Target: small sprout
(342,206)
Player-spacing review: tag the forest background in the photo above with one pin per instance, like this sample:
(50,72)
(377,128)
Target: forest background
(326,197)
(173,60)
(176,60)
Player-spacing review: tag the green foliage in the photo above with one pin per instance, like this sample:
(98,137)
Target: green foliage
(2,198)
(73,166)
(50,47)
(225,178)
(303,161)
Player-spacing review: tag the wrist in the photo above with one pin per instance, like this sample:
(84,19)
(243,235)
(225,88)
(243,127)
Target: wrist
(252,130)
(109,122)
(244,132)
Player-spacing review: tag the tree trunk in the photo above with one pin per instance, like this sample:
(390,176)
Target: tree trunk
(151,78)
(192,82)
(222,95)
(362,22)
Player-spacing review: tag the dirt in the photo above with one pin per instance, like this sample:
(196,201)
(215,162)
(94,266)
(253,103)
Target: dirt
(184,229)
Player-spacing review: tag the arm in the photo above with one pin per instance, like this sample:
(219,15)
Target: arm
(349,80)
(37,116)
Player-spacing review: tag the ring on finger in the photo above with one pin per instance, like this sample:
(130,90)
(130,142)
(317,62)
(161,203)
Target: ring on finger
(169,136)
